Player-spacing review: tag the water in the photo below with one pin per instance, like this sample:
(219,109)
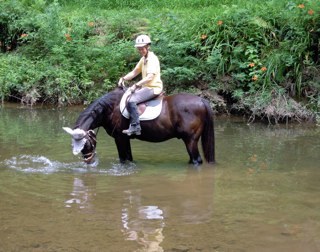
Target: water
(262,195)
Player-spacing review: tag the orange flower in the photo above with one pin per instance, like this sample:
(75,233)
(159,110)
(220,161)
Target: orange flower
(220,22)
(263,69)
(301,6)
(23,35)
(91,24)
(254,78)
(253,158)
(251,65)
(68,37)
(310,12)
(203,36)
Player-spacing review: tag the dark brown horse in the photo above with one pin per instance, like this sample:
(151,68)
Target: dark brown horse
(183,116)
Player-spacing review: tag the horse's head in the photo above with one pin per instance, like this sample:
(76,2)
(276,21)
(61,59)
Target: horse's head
(84,142)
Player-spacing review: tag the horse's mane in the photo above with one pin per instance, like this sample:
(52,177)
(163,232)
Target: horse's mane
(94,110)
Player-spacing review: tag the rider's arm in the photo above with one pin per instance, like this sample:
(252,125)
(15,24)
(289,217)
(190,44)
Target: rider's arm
(145,80)
(140,83)
(137,70)
(131,75)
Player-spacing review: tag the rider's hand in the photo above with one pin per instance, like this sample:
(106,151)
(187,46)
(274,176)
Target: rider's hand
(133,88)
(121,82)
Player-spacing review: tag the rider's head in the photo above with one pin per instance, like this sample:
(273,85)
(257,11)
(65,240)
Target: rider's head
(143,43)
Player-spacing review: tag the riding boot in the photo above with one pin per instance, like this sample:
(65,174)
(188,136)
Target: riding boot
(134,127)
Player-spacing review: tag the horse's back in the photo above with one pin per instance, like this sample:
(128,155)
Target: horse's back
(186,105)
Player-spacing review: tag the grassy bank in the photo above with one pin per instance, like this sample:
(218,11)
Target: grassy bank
(256,58)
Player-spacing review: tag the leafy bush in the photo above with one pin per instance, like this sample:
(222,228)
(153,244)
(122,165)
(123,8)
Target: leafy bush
(68,52)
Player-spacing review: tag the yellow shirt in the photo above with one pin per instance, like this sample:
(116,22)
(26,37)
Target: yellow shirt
(151,65)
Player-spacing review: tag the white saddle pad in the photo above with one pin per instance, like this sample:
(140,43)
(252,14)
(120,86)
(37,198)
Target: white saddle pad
(153,107)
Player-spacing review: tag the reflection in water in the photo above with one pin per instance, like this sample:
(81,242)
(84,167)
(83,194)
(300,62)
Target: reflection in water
(143,224)
(80,195)
(146,214)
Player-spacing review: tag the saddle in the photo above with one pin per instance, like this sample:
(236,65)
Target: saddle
(148,110)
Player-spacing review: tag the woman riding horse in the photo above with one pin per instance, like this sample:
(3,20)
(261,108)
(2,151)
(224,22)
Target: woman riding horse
(148,87)
(177,120)
(183,116)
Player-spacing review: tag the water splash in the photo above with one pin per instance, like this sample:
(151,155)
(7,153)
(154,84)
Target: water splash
(42,164)
(118,169)
(39,164)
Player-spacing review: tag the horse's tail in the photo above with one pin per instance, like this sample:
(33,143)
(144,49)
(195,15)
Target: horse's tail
(207,137)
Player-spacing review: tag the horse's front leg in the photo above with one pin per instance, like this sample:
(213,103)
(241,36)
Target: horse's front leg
(193,151)
(124,149)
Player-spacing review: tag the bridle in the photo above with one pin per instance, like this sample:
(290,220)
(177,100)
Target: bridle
(91,137)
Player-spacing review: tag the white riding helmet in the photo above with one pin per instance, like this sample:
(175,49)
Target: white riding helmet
(142,40)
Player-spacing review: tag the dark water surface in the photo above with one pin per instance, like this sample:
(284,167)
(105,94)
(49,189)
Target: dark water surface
(262,195)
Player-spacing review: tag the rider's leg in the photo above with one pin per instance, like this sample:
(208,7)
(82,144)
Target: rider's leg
(134,127)
(138,96)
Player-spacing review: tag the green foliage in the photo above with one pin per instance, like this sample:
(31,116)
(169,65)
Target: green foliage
(142,4)
(67,52)
(64,59)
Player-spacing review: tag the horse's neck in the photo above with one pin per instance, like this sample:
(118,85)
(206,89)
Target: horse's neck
(87,124)
(90,117)
(96,114)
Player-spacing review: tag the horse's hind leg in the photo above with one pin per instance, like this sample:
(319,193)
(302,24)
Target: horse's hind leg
(193,151)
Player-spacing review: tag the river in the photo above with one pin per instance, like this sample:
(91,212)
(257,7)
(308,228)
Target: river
(262,195)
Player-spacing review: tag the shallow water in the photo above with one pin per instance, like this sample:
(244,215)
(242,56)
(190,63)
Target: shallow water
(262,195)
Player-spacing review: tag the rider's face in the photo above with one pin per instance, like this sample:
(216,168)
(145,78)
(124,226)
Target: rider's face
(143,50)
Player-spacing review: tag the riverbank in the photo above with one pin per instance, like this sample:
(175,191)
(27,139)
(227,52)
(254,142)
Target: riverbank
(256,59)
(278,108)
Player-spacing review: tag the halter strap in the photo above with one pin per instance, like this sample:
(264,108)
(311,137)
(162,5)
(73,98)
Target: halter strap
(93,141)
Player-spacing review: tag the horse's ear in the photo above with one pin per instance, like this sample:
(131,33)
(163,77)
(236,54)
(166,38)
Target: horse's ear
(68,130)
(77,134)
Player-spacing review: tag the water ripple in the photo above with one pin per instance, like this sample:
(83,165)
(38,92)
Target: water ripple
(118,169)
(38,164)
(42,164)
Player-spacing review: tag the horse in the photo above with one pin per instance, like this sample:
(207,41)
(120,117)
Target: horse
(183,116)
